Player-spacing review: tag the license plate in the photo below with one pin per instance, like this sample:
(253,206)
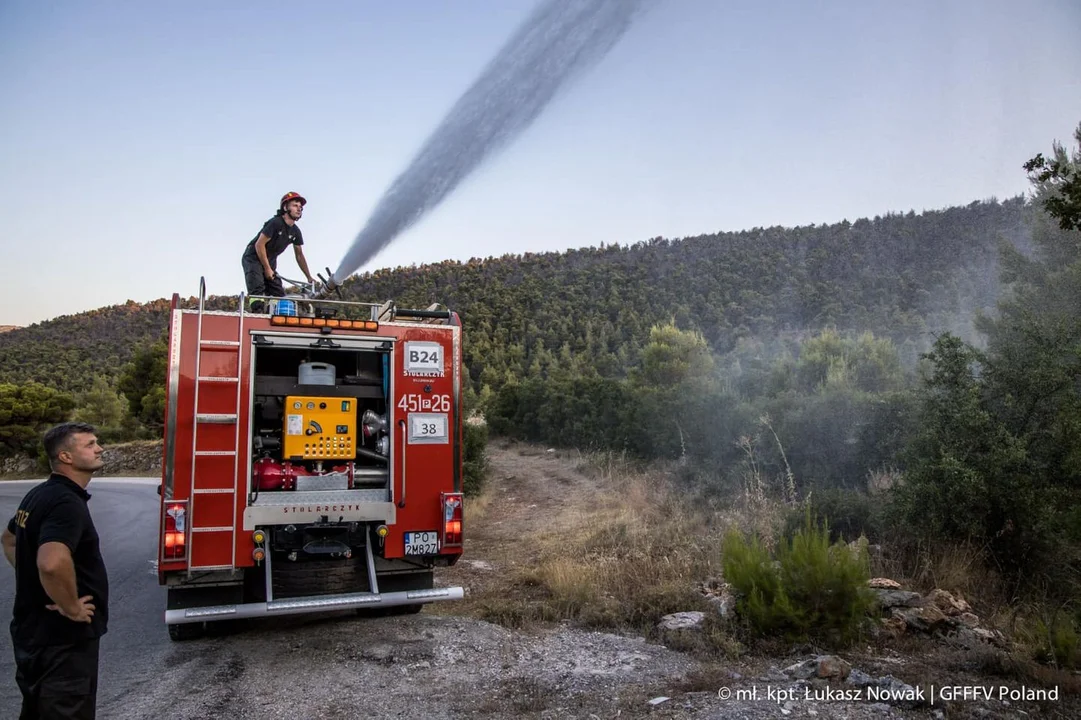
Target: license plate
(422,543)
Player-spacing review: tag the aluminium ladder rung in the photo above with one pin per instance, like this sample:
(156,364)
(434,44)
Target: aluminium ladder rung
(220,343)
(215,453)
(214,491)
(218,378)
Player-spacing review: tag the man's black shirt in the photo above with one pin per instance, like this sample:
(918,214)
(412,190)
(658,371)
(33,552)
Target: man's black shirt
(56,511)
(281,235)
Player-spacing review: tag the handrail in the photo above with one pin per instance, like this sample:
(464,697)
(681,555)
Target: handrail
(236,444)
(195,407)
(401,500)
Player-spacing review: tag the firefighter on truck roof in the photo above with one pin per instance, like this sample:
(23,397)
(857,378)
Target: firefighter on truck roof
(260,259)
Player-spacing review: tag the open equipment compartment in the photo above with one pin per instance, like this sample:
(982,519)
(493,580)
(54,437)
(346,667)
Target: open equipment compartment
(321,437)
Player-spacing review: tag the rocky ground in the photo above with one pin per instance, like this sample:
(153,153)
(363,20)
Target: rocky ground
(141,458)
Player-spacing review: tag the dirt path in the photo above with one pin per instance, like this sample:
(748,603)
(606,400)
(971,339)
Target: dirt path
(532,495)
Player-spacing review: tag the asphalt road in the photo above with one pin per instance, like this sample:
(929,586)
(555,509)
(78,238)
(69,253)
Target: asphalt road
(125,511)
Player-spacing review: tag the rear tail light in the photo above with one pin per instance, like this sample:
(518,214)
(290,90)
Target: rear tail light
(452,519)
(175,546)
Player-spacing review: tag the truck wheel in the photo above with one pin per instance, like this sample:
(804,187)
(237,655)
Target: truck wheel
(186,631)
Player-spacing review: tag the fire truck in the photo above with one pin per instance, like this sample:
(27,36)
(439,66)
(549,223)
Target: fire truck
(312,458)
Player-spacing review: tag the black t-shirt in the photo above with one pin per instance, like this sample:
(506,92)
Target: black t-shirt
(281,237)
(56,511)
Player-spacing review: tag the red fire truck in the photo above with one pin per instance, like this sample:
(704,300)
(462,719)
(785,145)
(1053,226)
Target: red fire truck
(312,459)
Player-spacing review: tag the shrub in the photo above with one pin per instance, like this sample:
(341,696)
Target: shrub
(1056,641)
(848,514)
(474,458)
(811,589)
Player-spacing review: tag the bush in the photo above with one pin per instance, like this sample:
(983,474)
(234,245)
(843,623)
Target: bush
(812,589)
(474,458)
(848,513)
(1056,642)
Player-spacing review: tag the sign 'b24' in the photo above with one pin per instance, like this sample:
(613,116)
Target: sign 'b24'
(424,358)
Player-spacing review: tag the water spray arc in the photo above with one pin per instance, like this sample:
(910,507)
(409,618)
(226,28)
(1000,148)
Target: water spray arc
(556,43)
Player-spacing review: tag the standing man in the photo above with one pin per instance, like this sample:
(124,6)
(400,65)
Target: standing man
(61,587)
(260,259)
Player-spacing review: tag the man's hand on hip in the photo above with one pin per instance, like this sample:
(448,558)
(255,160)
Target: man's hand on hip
(83,612)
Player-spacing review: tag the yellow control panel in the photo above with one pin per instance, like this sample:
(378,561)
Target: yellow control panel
(318,428)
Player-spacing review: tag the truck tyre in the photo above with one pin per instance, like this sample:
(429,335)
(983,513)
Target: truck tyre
(319,577)
(186,631)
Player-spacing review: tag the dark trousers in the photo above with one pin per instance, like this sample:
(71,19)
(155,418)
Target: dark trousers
(58,681)
(258,283)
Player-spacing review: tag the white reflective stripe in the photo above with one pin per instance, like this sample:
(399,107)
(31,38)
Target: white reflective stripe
(211,567)
(214,491)
(225,528)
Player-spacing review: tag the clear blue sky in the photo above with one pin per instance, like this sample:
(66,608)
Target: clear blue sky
(144,143)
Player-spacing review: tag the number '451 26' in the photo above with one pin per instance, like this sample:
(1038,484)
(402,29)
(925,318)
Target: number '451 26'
(415,402)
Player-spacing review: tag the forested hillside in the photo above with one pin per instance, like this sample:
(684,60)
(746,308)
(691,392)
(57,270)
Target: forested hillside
(899,275)
(911,377)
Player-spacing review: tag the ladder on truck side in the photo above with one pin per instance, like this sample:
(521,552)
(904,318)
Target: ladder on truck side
(215,438)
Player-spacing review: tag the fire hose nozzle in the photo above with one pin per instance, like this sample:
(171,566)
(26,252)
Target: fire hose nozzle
(330,281)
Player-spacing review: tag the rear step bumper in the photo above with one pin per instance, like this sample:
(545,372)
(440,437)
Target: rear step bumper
(322,603)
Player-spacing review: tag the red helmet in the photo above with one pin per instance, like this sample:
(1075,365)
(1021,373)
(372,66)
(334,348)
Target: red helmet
(292,196)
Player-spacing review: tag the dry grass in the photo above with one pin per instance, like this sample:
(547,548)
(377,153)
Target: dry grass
(608,543)
(633,558)
(594,539)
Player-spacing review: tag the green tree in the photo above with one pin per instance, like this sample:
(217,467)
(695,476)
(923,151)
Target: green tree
(967,477)
(673,356)
(26,411)
(142,381)
(101,405)
(1058,182)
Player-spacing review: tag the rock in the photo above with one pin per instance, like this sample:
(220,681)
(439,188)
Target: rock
(901,694)
(682,621)
(969,619)
(827,667)
(895,626)
(719,594)
(976,635)
(888,599)
(883,584)
(18,465)
(927,619)
(681,627)
(947,603)
(859,678)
